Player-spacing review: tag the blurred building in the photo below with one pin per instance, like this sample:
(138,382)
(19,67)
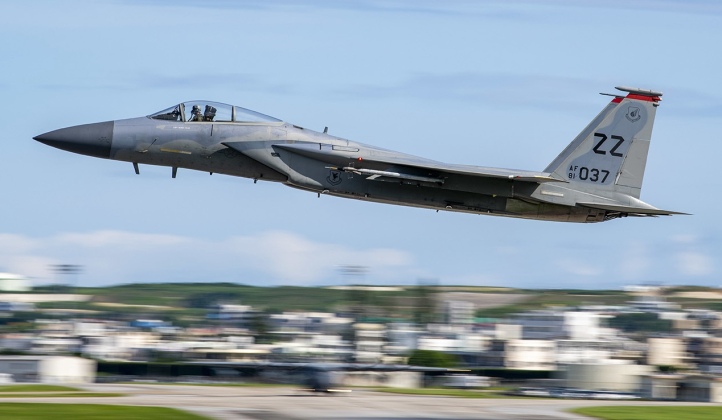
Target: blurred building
(667,351)
(707,353)
(458,312)
(618,376)
(14,283)
(120,345)
(241,314)
(683,387)
(558,324)
(370,342)
(48,369)
(584,351)
(402,337)
(10,307)
(700,388)
(309,322)
(531,354)
(660,386)
(651,303)
(521,354)
(506,331)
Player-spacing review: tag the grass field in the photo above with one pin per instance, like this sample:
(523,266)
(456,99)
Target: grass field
(34,411)
(54,391)
(652,413)
(38,388)
(60,395)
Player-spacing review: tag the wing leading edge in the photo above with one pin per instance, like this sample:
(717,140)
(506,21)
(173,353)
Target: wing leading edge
(380,161)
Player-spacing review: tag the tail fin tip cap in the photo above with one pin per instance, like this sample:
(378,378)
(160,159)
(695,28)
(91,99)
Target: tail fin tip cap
(638,91)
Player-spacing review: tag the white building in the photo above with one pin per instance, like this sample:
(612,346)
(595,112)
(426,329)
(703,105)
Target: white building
(670,351)
(370,342)
(120,345)
(584,351)
(458,312)
(531,354)
(554,325)
(309,322)
(619,376)
(653,304)
(229,312)
(14,283)
(48,369)
(507,332)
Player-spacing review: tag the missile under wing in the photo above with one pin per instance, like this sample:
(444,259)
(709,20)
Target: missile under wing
(597,177)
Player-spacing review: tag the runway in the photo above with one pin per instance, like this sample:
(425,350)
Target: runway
(286,403)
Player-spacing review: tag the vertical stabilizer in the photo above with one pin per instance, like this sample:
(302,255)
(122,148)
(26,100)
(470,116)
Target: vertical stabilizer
(610,154)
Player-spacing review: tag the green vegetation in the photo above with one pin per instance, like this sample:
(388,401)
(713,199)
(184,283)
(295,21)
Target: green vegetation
(541,299)
(187,303)
(38,388)
(640,322)
(652,413)
(55,391)
(431,358)
(35,411)
(170,296)
(670,291)
(61,395)
(201,295)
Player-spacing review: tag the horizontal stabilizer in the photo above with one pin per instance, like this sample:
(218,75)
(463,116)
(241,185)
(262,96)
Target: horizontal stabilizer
(632,211)
(638,91)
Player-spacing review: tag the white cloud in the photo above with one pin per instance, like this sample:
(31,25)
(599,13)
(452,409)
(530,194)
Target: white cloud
(31,266)
(690,263)
(579,268)
(689,259)
(635,262)
(10,243)
(296,259)
(106,238)
(275,257)
(685,238)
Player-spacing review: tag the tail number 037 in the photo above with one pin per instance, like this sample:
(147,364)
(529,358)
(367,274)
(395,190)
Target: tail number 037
(588,174)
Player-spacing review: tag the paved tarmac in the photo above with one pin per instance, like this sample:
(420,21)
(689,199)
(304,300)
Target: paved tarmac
(286,403)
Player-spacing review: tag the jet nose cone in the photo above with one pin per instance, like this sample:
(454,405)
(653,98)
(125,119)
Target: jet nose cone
(88,139)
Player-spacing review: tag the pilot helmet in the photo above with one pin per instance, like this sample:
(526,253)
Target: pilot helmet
(196,109)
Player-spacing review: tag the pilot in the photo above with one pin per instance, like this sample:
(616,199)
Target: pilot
(196,113)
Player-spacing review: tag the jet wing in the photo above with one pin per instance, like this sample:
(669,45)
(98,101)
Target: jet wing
(632,211)
(376,164)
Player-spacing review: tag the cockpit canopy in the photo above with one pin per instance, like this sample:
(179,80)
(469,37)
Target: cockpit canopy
(206,111)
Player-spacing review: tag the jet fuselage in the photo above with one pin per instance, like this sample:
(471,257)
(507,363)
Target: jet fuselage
(592,180)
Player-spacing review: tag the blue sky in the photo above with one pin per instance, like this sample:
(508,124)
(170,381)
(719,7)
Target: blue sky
(505,84)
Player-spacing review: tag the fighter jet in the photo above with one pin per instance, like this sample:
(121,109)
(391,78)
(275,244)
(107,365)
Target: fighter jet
(597,177)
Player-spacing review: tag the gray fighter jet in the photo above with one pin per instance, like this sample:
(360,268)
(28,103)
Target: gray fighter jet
(597,177)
